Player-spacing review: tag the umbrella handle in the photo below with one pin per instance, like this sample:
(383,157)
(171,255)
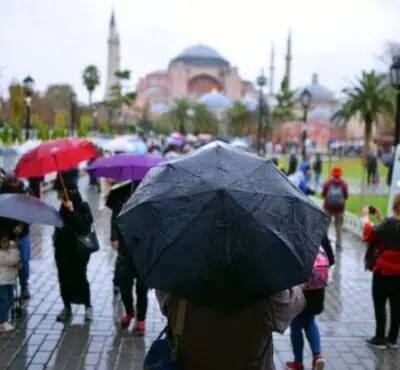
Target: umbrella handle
(62,181)
(64,187)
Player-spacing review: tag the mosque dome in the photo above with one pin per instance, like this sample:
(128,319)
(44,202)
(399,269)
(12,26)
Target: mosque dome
(319,93)
(320,113)
(250,103)
(159,108)
(202,56)
(215,101)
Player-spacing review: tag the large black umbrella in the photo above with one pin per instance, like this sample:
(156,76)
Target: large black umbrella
(221,227)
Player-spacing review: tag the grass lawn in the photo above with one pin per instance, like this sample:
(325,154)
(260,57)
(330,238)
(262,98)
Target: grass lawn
(352,168)
(354,203)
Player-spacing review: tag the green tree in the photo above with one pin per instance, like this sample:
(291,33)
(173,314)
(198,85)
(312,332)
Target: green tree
(85,122)
(104,125)
(369,99)
(60,125)
(204,121)
(5,134)
(285,104)
(240,119)
(42,131)
(17,134)
(91,80)
(163,126)
(120,92)
(178,114)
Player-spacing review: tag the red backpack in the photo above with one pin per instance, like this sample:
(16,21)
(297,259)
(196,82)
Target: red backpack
(320,273)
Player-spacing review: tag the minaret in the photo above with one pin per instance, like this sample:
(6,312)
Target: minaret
(288,67)
(272,71)
(113,56)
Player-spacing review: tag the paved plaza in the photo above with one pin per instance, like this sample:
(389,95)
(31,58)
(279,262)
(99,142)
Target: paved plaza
(42,343)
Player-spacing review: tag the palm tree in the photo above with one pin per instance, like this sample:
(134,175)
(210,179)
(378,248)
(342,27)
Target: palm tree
(240,119)
(203,120)
(370,99)
(178,115)
(91,79)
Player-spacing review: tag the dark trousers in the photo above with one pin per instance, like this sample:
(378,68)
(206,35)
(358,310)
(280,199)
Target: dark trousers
(386,288)
(74,285)
(126,288)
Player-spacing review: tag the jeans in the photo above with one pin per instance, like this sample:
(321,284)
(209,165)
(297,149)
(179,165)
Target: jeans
(306,323)
(338,219)
(6,301)
(386,288)
(24,246)
(126,287)
(317,181)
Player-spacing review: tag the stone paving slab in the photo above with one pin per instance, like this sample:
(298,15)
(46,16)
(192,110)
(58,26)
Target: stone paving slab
(42,343)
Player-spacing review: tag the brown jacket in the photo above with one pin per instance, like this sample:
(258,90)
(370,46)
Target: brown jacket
(242,341)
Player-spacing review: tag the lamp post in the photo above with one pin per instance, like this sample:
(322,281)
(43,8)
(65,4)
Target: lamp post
(261,82)
(395,80)
(28,90)
(73,103)
(305,100)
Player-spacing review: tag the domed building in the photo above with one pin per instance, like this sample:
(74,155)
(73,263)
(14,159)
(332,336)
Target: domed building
(321,96)
(193,73)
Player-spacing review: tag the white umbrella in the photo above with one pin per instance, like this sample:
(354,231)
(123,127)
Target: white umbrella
(27,146)
(240,144)
(119,144)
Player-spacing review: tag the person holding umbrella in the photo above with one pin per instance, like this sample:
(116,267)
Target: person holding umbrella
(20,233)
(220,234)
(71,262)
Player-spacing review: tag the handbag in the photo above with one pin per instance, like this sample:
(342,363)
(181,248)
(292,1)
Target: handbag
(162,354)
(88,243)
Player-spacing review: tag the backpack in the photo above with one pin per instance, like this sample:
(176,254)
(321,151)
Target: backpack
(162,354)
(320,272)
(335,195)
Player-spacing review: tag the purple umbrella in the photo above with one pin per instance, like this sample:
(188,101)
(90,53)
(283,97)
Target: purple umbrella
(123,167)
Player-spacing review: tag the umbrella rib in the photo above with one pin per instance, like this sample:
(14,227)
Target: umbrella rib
(262,226)
(187,229)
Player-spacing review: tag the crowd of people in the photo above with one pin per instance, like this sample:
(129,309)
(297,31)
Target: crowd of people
(243,339)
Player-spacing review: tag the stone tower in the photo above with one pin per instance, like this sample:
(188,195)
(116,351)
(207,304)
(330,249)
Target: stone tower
(272,71)
(288,65)
(113,56)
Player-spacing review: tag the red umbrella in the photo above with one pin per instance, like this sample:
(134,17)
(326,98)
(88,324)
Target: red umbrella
(54,156)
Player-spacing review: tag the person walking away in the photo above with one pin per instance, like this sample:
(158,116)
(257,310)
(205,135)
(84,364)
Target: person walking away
(21,233)
(292,163)
(317,168)
(115,201)
(302,178)
(314,293)
(335,193)
(384,262)
(241,340)
(372,168)
(126,277)
(9,265)
(71,263)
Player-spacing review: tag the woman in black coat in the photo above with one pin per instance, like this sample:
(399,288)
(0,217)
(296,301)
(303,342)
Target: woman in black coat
(71,259)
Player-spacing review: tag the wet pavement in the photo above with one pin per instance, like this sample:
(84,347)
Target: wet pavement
(41,343)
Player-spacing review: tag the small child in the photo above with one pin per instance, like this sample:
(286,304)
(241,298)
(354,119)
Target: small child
(9,266)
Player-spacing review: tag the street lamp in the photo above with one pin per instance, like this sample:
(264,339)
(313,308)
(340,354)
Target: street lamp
(73,103)
(305,100)
(395,80)
(261,82)
(29,83)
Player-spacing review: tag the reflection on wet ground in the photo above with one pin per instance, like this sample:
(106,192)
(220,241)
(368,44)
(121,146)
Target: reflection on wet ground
(41,343)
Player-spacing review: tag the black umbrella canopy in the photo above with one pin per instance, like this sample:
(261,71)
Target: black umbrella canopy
(221,227)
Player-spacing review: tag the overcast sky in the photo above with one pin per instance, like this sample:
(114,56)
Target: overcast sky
(53,40)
